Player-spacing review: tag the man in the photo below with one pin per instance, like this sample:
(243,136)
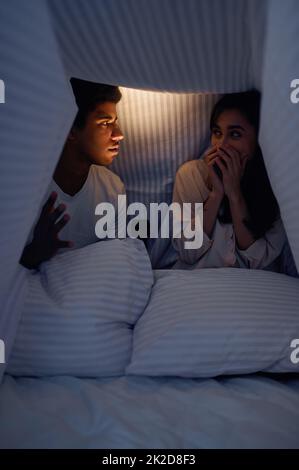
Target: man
(81,179)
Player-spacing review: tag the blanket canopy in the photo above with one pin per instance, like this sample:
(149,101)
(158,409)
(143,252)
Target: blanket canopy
(188,51)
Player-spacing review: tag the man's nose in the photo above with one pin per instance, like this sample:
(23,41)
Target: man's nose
(117,134)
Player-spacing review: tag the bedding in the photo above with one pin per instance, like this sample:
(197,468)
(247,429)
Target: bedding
(210,322)
(129,412)
(159,140)
(80,310)
(39,107)
(149,413)
(37,114)
(156,143)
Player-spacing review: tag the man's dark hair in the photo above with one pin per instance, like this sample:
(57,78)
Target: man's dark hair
(88,95)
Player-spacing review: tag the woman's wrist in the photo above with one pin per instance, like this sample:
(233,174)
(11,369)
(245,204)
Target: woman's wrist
(216,195)
(235,197)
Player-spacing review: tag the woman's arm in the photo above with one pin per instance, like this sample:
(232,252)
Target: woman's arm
(266,249)
(212,204)
(232,169)
(210,211)
(239,214)
(256,254)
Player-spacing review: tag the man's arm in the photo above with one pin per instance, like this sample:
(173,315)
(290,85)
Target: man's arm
(45,242)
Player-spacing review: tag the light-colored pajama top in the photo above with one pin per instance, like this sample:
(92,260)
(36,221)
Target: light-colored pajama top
(221,250)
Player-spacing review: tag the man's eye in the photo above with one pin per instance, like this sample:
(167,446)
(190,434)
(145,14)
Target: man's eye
(104,124)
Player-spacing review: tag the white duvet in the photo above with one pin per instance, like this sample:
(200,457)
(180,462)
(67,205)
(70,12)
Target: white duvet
(142,412)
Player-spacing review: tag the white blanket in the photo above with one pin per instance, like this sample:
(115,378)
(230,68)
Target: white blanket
(142,412)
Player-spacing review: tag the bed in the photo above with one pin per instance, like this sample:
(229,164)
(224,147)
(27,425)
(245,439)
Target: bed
(76,393)
(150,413)
(171,410)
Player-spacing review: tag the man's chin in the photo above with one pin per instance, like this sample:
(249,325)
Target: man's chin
(105,160)
(111,156)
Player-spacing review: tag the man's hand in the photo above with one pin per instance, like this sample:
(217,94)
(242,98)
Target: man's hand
(46,243)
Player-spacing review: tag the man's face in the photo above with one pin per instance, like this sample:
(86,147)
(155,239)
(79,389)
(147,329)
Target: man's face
(100,138)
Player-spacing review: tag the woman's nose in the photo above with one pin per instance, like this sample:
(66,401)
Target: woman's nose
(223,140)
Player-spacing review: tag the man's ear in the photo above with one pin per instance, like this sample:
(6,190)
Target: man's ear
(72,135)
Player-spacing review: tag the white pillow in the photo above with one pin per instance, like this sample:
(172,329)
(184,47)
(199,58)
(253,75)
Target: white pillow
(207,322)
(80,311)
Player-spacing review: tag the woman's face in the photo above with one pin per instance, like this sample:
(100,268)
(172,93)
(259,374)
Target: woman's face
(232,128)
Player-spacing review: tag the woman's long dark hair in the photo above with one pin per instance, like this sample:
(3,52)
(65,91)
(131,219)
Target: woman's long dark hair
(261,203)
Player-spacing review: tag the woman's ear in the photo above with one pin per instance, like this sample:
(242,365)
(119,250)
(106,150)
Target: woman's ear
(245,156)
(244,160)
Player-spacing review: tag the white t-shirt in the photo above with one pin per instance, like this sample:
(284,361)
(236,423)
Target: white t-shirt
(101,185)
(221,249)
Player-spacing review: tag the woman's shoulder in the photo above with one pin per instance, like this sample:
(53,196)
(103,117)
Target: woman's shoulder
(193,168)
(191,182)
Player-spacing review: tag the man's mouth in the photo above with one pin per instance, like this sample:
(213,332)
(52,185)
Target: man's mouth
(114,149)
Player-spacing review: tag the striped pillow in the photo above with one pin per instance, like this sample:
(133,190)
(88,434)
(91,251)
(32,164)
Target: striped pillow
(204,323)
(80,311)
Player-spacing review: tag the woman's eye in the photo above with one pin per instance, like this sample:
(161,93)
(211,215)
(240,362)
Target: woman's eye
(236,134)
(216,133)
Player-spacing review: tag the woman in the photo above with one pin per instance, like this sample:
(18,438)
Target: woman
(241,221)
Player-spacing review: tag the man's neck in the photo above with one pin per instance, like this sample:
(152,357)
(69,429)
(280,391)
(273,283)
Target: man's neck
(71,171)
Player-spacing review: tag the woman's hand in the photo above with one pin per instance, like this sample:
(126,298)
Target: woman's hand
(45,241)
(232,166)
(210,159)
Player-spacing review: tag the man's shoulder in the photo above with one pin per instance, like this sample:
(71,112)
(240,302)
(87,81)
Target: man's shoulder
(106,177)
